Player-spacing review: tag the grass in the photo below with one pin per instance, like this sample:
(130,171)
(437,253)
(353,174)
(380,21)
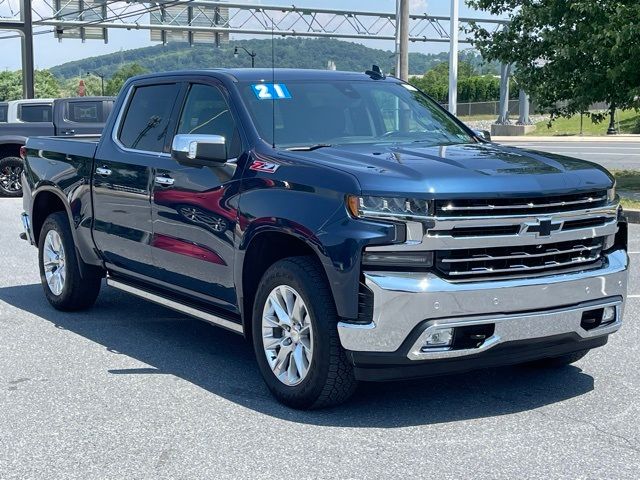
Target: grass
(629,204)
(629,122)
(628,181)
(477,118)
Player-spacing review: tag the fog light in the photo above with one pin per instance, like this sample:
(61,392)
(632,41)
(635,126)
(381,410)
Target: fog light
(608,314)
(439,338)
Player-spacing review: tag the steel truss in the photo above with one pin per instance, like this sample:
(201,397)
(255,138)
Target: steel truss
(247,18)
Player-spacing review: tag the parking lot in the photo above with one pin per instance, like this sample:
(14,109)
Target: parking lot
(133,390)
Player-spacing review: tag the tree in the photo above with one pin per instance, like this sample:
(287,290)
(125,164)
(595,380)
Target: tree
(121,75)
(568,54)
(46,85)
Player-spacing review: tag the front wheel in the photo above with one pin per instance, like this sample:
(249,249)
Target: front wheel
(295,337)
(65,287)
(11,177)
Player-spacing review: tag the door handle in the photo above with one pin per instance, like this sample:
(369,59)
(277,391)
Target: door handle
(104,171)
(164,181)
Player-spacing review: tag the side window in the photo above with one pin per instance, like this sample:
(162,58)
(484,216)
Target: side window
(3,112)
(85,112)
(147,117)
(206,112)
(35,113)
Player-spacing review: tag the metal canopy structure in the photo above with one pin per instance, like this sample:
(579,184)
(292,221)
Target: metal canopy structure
(213,21)
(247,18)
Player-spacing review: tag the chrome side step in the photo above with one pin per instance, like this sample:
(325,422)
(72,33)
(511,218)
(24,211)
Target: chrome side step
(179,307)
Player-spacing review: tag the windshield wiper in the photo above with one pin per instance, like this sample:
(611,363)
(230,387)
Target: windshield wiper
(308,148)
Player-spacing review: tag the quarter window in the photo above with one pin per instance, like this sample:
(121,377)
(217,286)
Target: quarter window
(147,118)
(35,113)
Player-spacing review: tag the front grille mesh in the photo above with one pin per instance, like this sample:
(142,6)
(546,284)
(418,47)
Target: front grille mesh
(529,259)
(519,206)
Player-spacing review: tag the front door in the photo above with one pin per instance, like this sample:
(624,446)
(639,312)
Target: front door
(194,208)
(122,178)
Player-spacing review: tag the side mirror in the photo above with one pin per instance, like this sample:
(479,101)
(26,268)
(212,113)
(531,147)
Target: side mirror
(199,149)
(483,134)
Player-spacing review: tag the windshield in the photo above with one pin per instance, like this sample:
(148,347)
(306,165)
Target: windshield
(319,113)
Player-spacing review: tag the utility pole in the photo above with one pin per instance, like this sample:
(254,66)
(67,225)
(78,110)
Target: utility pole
(453,57)
(402,26)
(397,50)
(25,27)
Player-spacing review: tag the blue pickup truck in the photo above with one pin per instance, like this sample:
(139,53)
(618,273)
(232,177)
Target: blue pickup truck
(344,223)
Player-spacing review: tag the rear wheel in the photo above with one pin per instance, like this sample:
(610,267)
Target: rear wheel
(295,337)
(64,286)
(561,361)
(11,177)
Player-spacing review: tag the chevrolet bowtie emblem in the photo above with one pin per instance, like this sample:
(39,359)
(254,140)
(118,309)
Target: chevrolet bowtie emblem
(544,227)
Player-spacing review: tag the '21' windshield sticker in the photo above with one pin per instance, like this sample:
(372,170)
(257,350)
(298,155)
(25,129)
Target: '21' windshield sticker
(271,91)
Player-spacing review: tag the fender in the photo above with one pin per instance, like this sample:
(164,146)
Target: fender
(11,140)
(84,245)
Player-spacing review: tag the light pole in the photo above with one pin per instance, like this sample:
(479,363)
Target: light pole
(101,77)
(251,54)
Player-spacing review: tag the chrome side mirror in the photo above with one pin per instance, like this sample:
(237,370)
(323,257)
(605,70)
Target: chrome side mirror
(483,134)
(199,149)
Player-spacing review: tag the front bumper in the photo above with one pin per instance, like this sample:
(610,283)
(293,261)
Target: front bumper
(406,305)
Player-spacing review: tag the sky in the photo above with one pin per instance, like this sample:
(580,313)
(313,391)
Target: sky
(48,51)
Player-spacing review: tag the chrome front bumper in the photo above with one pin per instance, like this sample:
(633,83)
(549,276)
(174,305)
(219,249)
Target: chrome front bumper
(520,308)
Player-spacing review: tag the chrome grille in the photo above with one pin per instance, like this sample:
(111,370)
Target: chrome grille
(519,206)
(525,260)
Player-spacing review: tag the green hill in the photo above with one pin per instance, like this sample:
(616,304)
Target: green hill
(289,53)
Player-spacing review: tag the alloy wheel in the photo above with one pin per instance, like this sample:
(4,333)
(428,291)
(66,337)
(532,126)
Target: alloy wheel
(287,335)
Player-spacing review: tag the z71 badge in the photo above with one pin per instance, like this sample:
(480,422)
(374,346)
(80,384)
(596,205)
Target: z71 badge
(262,166)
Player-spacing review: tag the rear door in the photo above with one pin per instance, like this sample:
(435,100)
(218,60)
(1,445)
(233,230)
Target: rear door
(81,116)
(122,177)
(195,207)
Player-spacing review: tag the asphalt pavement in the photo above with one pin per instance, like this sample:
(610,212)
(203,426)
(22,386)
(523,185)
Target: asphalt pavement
(612,154)
(132,390)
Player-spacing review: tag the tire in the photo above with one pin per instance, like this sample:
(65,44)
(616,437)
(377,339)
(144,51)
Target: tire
(329,378)
(558,362)
(72,290)
(11,177)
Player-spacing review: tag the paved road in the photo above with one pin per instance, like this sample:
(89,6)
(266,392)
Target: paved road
(612,154)
(132,390)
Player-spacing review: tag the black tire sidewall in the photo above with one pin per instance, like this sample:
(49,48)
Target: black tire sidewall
(10,161)
(58,222)
(287,272)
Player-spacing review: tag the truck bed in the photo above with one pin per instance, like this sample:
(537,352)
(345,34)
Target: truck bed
(79,146)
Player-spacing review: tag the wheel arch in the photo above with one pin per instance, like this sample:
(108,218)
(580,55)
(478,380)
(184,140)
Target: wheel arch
(48,200)
(261,250)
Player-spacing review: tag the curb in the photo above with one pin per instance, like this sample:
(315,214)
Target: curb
(569,139)
(633,216)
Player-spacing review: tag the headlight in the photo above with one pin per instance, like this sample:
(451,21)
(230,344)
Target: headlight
(393,208)
(611,194)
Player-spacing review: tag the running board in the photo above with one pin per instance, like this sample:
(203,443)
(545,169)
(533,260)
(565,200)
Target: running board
(179,307)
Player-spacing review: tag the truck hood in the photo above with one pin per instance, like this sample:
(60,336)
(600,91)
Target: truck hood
(457,171)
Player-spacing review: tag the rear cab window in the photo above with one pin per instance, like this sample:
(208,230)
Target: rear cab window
(85,112)
(147,117)
(35,113)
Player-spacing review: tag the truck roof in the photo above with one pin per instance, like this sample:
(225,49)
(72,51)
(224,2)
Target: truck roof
(31,100)
(262,74)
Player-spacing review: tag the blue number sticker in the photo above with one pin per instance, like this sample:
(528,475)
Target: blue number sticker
(271,91)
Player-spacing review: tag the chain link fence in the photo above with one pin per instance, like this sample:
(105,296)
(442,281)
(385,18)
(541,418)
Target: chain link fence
(485,108)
